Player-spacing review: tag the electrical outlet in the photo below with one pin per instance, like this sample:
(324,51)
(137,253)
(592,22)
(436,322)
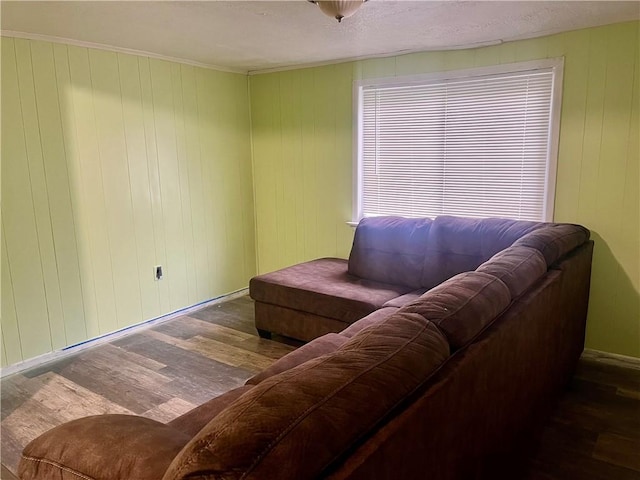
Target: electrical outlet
(158,272)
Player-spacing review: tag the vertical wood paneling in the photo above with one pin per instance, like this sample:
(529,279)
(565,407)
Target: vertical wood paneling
(245,169)
(206,112)
(341,160)
(183,179)
(194,177)
(487,56)
(92,192)
(11,341)
(137,163)
(324,159)
(160,247)
(4,360)
(75,321)
(308,141)
(169,174)
(419,63)
(309,183)
(112,165)
(265,159)
(39,193)
(115,180)
(630,214)
(18,221)
(619,304)
(287,192)
(576,68)
(58,188)
(507,52)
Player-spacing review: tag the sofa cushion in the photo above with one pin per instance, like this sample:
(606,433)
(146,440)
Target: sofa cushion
(390,250)
(402,300)
(113,447)
(326,344)
(192,422)
(555,240)
(291,323)
(463,305)
(373,318)
(318,410)
(323,287)
(517,267)
(459,244)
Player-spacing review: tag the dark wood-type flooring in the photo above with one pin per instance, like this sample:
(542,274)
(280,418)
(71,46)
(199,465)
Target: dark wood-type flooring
(165,370)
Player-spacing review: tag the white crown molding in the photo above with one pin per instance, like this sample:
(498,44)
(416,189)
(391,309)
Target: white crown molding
(369,57)
(110,48)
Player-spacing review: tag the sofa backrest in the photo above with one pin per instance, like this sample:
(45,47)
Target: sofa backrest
(390,250)
(294,424)
(517,267)
(422,253)
(458,244)
(462,306)
(555,240)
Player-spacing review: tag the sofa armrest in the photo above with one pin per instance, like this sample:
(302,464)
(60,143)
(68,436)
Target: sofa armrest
(109,447)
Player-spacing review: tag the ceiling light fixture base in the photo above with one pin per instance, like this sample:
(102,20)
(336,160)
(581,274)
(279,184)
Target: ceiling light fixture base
(338,9)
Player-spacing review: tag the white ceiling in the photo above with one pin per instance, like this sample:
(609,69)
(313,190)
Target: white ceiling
(260,35)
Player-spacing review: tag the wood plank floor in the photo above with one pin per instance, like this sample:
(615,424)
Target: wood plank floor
(165,370)
(160,373)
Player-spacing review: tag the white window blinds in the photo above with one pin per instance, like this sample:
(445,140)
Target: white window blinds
(474,146)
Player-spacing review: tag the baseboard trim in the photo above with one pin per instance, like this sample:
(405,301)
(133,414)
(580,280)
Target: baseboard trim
(108,337)
(612,358)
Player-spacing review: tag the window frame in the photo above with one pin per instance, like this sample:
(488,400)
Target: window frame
(556,65)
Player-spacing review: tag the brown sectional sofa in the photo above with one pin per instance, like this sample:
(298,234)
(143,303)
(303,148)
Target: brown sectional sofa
(440,387)
(393,261)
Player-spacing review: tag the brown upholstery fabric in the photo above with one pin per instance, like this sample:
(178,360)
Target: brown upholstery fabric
(293,425)
(372,319)
(517,267)
(320,346)
(294,323)
(390,250)
(481,399)
(459,244)
(576,279)
(402,300)
(463,305)
(323,287)
(105,447)
(192,422)
(555,240)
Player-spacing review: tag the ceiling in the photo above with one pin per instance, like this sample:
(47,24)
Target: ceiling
(248,36)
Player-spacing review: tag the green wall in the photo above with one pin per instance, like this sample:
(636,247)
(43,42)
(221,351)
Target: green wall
(302,153)
(113,164)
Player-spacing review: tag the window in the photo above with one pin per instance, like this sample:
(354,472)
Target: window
(476,143)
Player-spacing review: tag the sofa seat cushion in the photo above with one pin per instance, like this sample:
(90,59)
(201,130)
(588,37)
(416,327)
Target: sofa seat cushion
(402,300)
(463,305)
(555,240)
(323,287)
(106,447)
(318,410)
(192,422)
(517,267)
(390,250)
(459,244)
(320,346)
(373,318)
